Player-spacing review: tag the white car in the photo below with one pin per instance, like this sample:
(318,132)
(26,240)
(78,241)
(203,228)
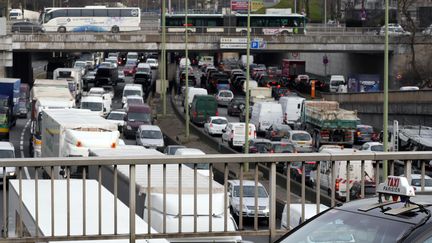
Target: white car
(131,89)
(153,63)
(302,140)
(372,147)
(215,125)
(428,30)
(7,150)
(223,97)
(150,136)
(394,30)
(248,207)
(117,117)
(416,182)
(133,99)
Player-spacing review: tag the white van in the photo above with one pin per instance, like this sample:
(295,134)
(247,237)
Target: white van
(7,150)
(204,168)
(291,109)
(296,214)
(192,91)
(132,56)
(340,181)
(234,134)
(97,104)
(335,81)
(265,114)
(131,89)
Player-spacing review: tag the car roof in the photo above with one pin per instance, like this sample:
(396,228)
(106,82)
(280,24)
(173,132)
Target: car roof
(412,217)
(150,127)
(260,140)
(189,151)
(132,86)
(119,112)
(218,117)
(373,143)
(245,183)
(7,145)
(137,97)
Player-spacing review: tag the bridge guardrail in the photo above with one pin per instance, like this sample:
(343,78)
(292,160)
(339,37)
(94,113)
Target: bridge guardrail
(132,163)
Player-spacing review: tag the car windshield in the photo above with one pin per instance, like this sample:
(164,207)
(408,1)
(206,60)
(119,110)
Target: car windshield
(337,82)
(128,92)
(151,134)
(139,116)
(115,116)
(7,154)
(80,64)
(219,121)
(342,226)
(151,61)
(249,191)
(301,137)
(93,106)
(417,182)
(377,148)
(262,147)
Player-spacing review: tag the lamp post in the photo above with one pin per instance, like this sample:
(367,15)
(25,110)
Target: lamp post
(186,103)
(163,63)
(386,72)
(246,146)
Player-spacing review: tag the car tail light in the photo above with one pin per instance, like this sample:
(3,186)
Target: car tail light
(217,113)
(194,114)
(337,185)
(113,145)
(79,144)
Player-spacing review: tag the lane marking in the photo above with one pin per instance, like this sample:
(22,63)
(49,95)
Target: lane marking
(27,174)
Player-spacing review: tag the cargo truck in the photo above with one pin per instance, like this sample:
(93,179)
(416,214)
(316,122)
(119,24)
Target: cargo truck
(290,71)
(9,98)
(23,14)
(72,132)
(44,96)
(74,78)
(144,202)
(38,222)
(329,124)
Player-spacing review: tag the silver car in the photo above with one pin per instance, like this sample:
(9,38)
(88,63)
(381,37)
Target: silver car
(150,136)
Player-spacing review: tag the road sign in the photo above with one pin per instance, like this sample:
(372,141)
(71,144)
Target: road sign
(255,44)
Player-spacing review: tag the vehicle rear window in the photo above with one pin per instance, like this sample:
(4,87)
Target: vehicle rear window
(365,129)
(249,191)
(417,182)
(377,148)
(128,92)
(219,121)
(301,137)
(151,134)
(7,154)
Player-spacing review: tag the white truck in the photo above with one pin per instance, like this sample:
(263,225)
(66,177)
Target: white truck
(18,14)
(28,216)
(43,97)
(172,196)
(340,182)
(260,94)
(98,104)
(74,78)
(72,132)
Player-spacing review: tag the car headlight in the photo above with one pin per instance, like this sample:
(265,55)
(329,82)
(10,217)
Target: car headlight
(128,127)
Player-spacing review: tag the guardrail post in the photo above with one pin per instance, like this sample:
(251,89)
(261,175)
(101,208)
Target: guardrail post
(132,203)
(272,223)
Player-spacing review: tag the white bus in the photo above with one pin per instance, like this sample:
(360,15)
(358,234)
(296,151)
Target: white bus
(91,18)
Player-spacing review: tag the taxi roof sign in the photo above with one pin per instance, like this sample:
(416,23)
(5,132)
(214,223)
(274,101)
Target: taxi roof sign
(396,185)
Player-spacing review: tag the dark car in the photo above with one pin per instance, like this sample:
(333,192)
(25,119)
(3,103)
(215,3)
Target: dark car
(281,147)
(242,115)
(259,145)
(106,76)
(277,131)
(136,115)
(235,106)
(363,134)
(403,218)
(143,78)
(296,171)
(27,27)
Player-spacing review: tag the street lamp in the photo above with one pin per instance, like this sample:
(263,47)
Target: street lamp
(186,103)
(163,61)
(386,72)
(246,146)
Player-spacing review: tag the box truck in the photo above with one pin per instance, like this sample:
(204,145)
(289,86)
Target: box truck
(42,224)
(9,97)
(72,132)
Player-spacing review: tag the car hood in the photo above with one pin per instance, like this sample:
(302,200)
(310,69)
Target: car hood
(152,142)
(250,201)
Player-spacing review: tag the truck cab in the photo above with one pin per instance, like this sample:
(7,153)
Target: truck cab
(335,82)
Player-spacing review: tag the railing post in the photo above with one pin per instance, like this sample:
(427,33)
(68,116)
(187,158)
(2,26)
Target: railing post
(272,223)
(132,203)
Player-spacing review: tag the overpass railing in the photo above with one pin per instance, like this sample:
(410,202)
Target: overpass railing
(222,164)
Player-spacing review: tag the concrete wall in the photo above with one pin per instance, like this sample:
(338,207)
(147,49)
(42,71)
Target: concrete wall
(409,108)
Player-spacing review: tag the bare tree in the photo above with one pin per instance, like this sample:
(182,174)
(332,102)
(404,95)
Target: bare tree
(404,6)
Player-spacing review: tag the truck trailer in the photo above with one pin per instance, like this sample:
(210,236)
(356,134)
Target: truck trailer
(42,225)
(72,132)
(9,97)
(329,124)
(154,201)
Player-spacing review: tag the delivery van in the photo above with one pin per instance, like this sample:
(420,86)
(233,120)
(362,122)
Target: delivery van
(265,114)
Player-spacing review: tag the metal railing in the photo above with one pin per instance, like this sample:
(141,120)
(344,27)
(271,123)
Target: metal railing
(225,164)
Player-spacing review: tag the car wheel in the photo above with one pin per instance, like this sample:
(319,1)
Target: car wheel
(115,29)
(61,29)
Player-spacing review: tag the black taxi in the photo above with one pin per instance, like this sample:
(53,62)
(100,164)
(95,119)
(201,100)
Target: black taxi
(396,215)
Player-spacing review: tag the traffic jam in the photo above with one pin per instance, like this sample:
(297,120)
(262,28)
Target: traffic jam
(101,102)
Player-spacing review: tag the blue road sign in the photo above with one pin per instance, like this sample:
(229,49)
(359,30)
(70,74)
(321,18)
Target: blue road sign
(255,45)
